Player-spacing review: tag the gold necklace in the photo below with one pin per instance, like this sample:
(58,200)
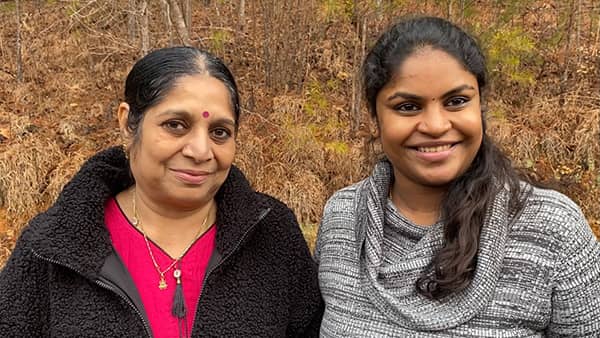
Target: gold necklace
(162,283)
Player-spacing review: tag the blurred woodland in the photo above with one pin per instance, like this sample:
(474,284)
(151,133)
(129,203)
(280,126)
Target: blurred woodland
(305,131)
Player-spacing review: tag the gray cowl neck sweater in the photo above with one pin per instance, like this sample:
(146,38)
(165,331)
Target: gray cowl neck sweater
(391,288)
(537,271)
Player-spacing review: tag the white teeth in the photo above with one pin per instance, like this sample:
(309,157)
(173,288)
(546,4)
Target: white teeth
(434,149)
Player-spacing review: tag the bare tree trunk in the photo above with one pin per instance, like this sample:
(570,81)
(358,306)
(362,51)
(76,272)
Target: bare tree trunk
(355,12)
(355,105)
(132,20)
(597,42)
(565,76)
(187,9)
(19,54)
(356,83)
(242,15)
(180,26)
(578,16)
(379,10)
(354,108)
(168,23)
(591,20)
(144,27)
(267,42)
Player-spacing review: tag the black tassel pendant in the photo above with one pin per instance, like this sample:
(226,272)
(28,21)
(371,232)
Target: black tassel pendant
(178,309)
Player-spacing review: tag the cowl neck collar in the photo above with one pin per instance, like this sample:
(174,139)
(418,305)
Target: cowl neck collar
(391,287)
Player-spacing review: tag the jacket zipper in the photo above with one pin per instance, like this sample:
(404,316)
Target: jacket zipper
(109,287)
(235,248)
(101,284)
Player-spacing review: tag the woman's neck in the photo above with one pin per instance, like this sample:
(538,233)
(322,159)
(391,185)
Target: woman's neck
(172,229)
(420,204)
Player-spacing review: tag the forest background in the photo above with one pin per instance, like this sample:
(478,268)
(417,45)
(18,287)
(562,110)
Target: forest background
(305,131)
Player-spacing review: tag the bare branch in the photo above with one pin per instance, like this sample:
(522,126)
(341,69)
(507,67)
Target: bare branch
(187,10)
(144,28)
(19,54)
(177,17)
(131,21)
(168,23)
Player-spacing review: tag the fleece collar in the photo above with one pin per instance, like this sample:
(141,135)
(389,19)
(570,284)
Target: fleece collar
(72,232)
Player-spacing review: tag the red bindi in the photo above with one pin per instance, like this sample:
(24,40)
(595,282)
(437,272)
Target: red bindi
(205,114)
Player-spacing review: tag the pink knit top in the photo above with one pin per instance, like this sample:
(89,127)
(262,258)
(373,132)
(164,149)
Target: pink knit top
(130,245)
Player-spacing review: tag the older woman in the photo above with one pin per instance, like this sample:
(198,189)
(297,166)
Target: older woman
(443,239)
(164,237)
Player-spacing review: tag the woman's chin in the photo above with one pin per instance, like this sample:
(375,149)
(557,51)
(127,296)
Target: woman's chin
(437,181)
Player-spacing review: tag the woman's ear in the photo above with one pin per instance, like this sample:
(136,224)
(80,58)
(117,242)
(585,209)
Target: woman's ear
(375,131)
(374,128)
(123,117)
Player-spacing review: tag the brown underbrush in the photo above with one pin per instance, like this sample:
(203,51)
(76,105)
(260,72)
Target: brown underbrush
(558,146)
(304,130)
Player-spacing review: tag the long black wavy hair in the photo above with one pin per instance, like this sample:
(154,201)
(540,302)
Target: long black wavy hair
(470,195)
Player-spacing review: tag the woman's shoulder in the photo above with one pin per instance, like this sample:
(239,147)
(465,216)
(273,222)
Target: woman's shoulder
(551,200)
(271,202)
(343,200)
(339,214)
(552,208)
(552,216)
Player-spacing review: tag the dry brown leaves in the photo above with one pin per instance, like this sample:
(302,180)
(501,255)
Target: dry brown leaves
(75,64)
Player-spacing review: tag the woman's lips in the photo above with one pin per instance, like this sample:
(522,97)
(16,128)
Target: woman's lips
(191,176)
(434,153)
(434,149)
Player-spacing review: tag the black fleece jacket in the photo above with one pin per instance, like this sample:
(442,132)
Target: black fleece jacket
(64,279)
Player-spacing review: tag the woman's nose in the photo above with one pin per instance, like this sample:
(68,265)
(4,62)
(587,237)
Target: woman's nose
(198,146)
(434,121)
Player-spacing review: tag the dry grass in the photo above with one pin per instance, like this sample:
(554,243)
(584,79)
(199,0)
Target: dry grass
(558,144)
(565,132)
(300,138)
(25,168)
(33,171)
(7,237)
(286,157)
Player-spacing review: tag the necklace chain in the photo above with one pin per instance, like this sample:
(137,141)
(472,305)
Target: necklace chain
(162,284)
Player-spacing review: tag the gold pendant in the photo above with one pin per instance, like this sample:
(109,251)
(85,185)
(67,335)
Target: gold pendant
(162,284)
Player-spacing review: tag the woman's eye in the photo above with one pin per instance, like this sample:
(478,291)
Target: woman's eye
(221,133)
(407,107)
(174,126)
(457,101)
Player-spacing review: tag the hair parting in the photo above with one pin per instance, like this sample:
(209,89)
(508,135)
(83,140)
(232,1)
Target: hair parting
(153,76)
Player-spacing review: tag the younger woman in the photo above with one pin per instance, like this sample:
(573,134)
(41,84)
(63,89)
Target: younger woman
(443,239)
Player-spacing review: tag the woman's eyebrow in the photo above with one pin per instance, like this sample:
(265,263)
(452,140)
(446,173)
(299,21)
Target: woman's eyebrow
(458,90)
(405,95)
(414,97)
(225,120)
(177,113)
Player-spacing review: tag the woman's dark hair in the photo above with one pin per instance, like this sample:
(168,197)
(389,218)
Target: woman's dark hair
(154,75)
(469,196)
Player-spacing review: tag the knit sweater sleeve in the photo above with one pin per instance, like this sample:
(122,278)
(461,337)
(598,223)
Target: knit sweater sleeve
(576,287)
(23,296)
(339,210)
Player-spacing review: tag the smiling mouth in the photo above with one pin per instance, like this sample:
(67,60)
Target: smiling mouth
(192,177)
(436,149)
(192,172)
